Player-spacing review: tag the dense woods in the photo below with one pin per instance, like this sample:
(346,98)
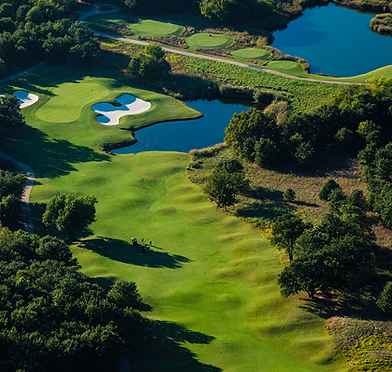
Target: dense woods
(32,31)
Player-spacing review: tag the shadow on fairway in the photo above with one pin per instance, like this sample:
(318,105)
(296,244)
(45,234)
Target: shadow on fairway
(120,250)
(52,158)
(162,349)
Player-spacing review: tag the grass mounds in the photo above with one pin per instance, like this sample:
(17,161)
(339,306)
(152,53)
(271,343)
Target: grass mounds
(205,40)
(172,40)
(250,53)
(155,28)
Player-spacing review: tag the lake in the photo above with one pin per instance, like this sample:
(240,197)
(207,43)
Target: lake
(186,135)
(335,41)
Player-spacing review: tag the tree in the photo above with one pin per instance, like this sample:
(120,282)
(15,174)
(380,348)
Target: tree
(289,195)
(285,232)
(330,185)
(69,213)
(384,302)
(223,187)
(304,154)
(124,294)
(10,116)
(149,64)
(265,153)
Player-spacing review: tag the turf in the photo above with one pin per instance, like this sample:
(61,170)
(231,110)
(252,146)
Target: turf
(204,40)
(209,279)
(67,98)
(289,67)
(157,28)
(250,53)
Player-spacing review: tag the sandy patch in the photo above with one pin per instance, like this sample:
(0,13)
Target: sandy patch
(25,98)
(130,105)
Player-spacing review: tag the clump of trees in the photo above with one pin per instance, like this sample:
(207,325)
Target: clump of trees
(32,31)
(54,318)
(10,116)
(356,117)
(226,182)
(149,65)
(328,257)
(69,213)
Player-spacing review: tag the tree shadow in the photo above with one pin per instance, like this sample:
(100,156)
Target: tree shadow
(59,155)
(120,250)
(301,203)
(162,349)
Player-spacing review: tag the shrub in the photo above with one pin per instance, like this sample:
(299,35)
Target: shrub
(330,185)
(289,195)
(384,302)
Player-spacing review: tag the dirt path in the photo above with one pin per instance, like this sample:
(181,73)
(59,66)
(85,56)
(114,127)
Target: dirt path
(217,59)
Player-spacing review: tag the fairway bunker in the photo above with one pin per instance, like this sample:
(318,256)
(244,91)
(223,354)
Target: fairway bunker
(25,98)
(130,105)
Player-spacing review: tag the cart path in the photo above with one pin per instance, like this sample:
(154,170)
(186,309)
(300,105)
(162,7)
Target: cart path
(217,59)
(27,220)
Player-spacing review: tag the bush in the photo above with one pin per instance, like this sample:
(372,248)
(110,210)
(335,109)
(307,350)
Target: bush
(330,185)
(289,195)
(384,302)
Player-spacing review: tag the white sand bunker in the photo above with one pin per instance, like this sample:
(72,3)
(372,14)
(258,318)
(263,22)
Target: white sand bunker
(25,98)
(130,105)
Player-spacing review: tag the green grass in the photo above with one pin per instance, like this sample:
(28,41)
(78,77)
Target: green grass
(155,28)
(204,40)
(67,98)
(250,53)
(210,277)
(288,67)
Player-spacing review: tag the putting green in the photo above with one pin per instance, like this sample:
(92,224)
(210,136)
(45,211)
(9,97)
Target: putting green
(155,28)
(204,40)
(68,100)
(250,53)
(290,67)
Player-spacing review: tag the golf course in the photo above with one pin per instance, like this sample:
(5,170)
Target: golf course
(209,279)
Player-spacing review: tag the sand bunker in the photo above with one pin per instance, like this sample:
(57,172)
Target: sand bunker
(25,98)
(130,105)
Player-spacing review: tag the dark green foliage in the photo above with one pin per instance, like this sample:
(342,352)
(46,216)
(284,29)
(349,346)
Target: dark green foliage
(304,154)
(332,255)
(149,64)
(230,164)
(330,185)
(344,139)
(11,190)
(53,318)
(266,153)
(384,302)
(10,116)
(384,205)
(223,187)
(69,213)
(289,195)
(285,232)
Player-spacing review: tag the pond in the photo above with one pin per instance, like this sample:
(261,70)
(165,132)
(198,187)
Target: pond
(186,135)
(335,41)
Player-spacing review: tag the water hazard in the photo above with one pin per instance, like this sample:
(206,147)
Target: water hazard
(186,135)
(335,41)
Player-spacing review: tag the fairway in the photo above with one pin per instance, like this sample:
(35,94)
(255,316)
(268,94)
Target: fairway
(156,28)
(209,281)
(204,40)
(250,53)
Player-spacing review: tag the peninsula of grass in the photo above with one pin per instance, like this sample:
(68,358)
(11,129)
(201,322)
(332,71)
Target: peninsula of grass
(67,97)
(209,279)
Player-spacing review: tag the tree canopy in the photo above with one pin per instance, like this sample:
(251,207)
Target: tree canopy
(69,213)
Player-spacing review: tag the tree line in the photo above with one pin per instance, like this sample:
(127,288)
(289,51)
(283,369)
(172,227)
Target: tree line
(32,31)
